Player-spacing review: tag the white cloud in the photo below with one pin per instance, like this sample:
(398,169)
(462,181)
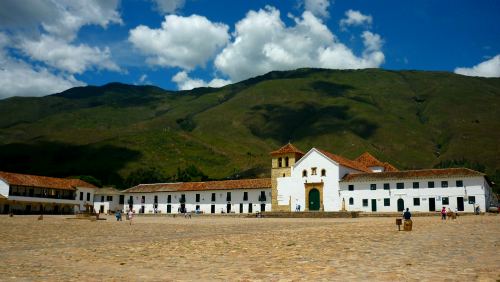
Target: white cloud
(264,43)
(318,7)
(355,18)
(184,42)
(67,57)
(21,79)
(169,6)
(184,82)
(489,68)
(62,19)
(143,78)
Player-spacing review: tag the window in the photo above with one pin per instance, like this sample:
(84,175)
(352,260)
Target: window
(313,171)
(102,198)
(351,201)
(121,200)
(286,162)
(213,197)
(387,202)
(365,202)
(351,187)
(280,162)
(81,196)
(228,197)
(445,200)
(416,201)
(169,199)
(400,185)
(387,186)
(88,196)
(197,198)
(373,186)
(323,172)
(472,199)
(262,196)
(182,200)
(416,185)
(430,184)
(245,196)
(444,184)
(109,198)
(143,199)
(460,183)
(304,173)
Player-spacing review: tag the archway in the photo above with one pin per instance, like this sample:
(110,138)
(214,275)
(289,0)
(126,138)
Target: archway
(314,200)
(401,205)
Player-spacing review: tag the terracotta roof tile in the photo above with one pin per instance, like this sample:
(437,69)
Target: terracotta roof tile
(261,183)
(368,160)
(108,191)
(43,181)
(287,149)
(411,174)
(346,162)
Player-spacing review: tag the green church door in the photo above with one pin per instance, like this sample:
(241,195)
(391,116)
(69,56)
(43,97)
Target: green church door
(314,200)
(401,205)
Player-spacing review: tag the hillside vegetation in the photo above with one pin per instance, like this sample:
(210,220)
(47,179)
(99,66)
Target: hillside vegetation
(412,119)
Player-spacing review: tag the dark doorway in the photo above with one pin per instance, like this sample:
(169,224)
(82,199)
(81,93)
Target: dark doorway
(101,209)
(250,209)
(401,205)
(228,208)
(169,208)
(262,207)
(314,200)
(374,205)
(241,208)
(28,209)
(432,204)
(212,209)
(460,203)
(56,209)
(183,208)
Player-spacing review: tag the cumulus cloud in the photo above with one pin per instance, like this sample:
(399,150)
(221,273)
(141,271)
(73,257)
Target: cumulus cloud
(489,68)
(169,6)
(184,82)
(59,18)
(354,18)
(263,43)
(319,8)
(184,42)
(21,79)
(67,57)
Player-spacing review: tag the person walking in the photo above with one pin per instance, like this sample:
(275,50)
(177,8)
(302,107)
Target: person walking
(130,216)
(443,213)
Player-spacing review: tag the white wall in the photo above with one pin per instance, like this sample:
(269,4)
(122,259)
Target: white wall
(472,187)
(205,202)
(4,188)
(109,206)
(80,206)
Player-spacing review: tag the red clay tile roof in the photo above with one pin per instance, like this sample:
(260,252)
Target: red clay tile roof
(108,191)
(412,174)
(346,162)
(261,183)
(287,149)
(368,160)
(43,181)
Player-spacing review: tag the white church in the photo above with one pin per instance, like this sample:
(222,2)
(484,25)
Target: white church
(322,181)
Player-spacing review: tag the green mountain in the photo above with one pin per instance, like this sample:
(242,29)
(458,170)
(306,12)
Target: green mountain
(413,119)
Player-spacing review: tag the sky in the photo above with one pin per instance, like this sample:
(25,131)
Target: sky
(48,46)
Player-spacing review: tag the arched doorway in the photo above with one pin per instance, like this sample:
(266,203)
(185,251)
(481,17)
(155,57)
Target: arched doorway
(314,200)
(401,205)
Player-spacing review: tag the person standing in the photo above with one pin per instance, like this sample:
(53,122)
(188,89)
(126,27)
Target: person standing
(443,213)
(130,216)
(407,214)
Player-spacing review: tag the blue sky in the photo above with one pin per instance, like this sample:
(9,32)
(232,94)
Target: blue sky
(47,46)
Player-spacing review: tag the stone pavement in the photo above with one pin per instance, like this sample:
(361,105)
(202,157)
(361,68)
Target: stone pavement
(223,248)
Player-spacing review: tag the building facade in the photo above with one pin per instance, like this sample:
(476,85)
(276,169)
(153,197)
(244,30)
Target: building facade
(322,181)
(108,200)
(32,194)
(228,196)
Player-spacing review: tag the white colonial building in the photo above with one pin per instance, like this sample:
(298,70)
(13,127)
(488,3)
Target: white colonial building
(322,181)
(33,194)
(108,200)
(228,196)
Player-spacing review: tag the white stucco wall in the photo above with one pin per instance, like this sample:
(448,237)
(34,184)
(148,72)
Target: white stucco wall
(473,186)
(4,188)
(109,206)
(80,206)
(205,203)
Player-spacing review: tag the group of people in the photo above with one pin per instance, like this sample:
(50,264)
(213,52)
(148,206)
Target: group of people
(130,215)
